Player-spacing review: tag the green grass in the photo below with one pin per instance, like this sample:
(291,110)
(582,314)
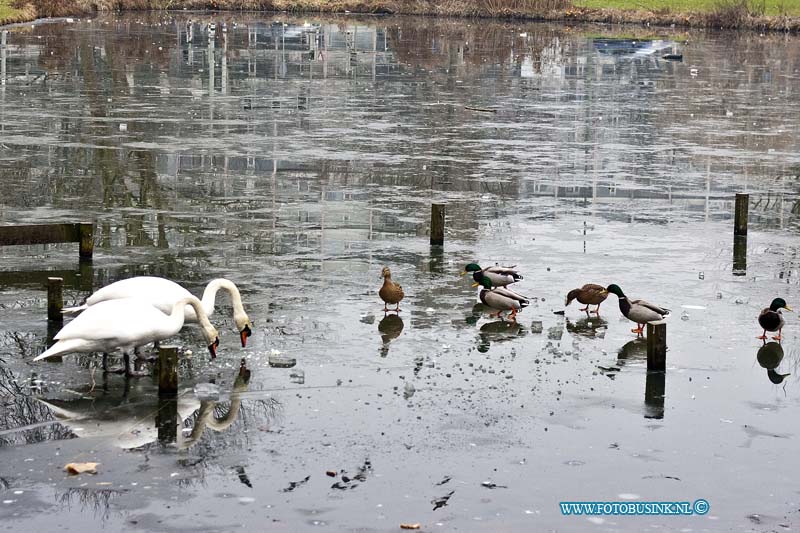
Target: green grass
(767,7)
(6,11)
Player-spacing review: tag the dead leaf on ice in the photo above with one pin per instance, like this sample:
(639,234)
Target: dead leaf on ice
(73,469)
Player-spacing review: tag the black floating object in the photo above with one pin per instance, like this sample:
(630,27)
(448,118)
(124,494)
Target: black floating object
(294,484)
(445,480)
(490,485)
(673,57)
(339,486)
(441,501)
(558,312)
(243,477)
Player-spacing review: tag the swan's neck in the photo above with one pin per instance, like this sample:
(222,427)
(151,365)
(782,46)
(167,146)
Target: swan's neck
(210,295)
(176,318)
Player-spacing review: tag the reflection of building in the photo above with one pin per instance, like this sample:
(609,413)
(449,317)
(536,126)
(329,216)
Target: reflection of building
(318,132)
(281,51)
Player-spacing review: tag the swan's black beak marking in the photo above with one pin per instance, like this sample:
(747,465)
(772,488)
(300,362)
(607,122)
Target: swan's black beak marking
(246,332)
(212,348)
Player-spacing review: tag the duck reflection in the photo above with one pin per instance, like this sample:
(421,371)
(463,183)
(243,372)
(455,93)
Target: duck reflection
(498,331)
(475,314)
(588,326)
(632,351)
(390,327)
(769,356)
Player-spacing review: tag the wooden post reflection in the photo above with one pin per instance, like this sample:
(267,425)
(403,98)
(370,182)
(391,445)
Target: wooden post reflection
(654,389)
(740,214)
(167,420)
(740,255)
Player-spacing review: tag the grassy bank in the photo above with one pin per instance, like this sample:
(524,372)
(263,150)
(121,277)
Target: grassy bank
(10,13)
(779,15)
(771,8)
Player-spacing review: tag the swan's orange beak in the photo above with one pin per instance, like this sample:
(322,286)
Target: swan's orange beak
(212,348)
(246,332)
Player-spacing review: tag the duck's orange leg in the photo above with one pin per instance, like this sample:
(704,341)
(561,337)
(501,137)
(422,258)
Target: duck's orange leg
(639,330)
(513,315)
(585,308)
(763,336)
(778,336)
(397,308)
(596,310)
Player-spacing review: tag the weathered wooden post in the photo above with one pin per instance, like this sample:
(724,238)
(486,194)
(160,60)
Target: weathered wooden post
(740,214)
(740,255)
(167,371)
(55,298)
(86,232)
(657,346)
(437,224)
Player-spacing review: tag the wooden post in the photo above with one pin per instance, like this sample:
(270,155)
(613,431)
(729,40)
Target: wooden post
(657,346)
(86,250)
(55,298)
(437,224)
(740,255)
(168,371)
(740,214)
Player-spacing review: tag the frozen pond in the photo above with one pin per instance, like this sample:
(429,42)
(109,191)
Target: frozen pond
(297,157)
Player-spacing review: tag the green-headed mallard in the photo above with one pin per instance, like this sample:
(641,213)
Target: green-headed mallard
(390,292)
(638,311)
(589,294)
(499,276)
(771,318)
(501,299)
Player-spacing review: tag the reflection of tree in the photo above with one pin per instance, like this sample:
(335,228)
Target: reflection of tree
(20,409)
(98,500)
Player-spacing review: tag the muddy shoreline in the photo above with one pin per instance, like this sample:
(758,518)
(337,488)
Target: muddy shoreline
(722,18)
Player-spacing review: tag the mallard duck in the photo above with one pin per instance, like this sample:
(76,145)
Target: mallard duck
(771,318)
(500,276)
(638,311)
(501,299)
(390,292)
(589,294)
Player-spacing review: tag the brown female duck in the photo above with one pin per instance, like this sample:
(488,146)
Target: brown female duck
(391,293)
(589,294)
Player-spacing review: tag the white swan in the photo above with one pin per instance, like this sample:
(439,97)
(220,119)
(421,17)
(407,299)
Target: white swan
(124,324)
(163,293)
